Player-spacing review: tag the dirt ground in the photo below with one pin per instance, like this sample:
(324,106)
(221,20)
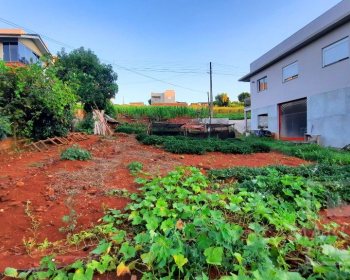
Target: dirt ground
(37,189)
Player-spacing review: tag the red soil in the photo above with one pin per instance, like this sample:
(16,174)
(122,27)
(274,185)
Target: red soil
(45,182)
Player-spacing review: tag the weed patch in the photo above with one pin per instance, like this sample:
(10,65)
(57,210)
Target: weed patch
(75,153)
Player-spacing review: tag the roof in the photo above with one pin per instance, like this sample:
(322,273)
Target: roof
(324,24)
(19,33)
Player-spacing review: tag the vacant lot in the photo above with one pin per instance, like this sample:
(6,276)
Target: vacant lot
(37,189)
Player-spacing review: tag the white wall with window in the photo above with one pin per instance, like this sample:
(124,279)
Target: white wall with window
(290,72)
(262,84)
(335,52)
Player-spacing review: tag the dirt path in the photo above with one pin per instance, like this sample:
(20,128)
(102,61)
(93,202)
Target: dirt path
(37,189)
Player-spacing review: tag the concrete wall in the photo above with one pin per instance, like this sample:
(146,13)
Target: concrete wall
(328,115)
(272,112)
(313,78)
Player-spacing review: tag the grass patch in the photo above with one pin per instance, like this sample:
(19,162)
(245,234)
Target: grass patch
(310,152)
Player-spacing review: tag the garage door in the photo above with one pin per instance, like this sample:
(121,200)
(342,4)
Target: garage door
(293,119)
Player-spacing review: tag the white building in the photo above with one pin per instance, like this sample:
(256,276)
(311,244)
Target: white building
(303,84)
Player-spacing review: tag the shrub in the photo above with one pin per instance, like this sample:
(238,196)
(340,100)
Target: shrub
(75,153)
(5,127)
(153,140)
(135,167)
(86,125)
(184,147)
(260,148)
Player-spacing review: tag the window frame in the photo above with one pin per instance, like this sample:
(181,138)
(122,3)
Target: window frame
(291,78)
(267,120)
(258,84)
(342,59)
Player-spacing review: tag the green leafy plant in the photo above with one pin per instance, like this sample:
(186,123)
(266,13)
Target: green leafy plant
(183,226)
(70,220)
(135,167)
(75,153)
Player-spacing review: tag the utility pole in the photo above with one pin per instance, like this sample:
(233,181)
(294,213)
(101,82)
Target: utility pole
(211,92)
(210,99)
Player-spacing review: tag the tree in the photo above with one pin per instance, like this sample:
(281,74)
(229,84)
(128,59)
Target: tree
(95,81)
(242,96)
(37,104)
(150,101)
(222,100)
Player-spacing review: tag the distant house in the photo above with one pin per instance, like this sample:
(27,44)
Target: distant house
(137,104)
(302,86)
(163,97)
(20,48)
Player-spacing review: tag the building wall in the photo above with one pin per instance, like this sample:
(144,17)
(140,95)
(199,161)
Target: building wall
(1,51)
(313,78)
(272,112)
(165,97)
(328,115)
(169,96)
(155,99)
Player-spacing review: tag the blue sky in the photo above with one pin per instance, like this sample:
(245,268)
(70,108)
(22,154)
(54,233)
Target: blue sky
(169,40)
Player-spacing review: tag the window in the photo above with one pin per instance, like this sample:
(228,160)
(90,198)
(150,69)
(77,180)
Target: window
(290,72)
(17,52)
(263,121)
(336,52)
(262,84)
(26,55)
(10,52)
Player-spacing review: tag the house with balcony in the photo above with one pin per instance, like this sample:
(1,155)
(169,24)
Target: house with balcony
(20,48)
(301,87)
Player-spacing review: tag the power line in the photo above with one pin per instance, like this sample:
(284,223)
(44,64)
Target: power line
(109,62)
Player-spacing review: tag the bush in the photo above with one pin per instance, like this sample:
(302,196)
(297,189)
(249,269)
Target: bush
(235,149)
(75,153)
(184,147)
(131,128)
(190,145)
(152,140)
(5,127)
(37,103)
(86,125)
